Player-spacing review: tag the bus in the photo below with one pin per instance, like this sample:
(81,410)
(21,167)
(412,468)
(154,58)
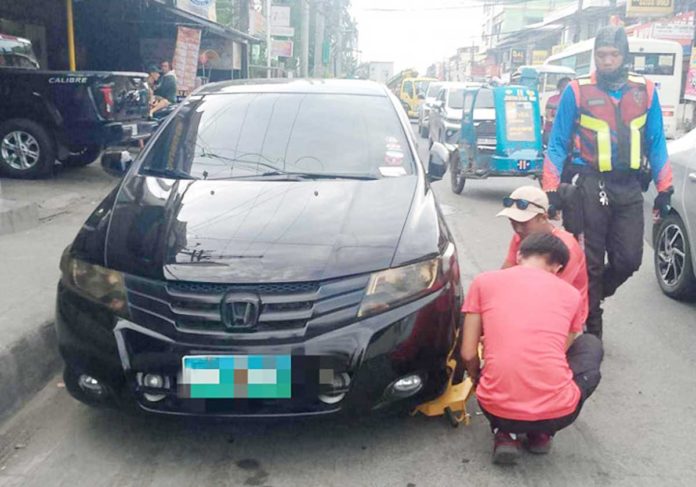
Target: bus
(658,60)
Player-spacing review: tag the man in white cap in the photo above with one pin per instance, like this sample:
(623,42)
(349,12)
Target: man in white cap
(527,209)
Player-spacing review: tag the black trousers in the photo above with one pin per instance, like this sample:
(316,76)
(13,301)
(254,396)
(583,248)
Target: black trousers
(613,237)
(584,357)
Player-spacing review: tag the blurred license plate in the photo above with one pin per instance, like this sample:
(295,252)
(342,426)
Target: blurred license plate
(132,128)
(486,141)
(236,377)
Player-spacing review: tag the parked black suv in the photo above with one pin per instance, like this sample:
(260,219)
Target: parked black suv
(69,116)
(275,250)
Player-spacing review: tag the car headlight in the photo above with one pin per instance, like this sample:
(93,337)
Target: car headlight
(100,284)
(393,287)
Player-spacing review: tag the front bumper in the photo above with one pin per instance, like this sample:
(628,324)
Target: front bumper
(375,352)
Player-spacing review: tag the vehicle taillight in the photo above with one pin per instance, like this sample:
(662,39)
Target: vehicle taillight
(108,101)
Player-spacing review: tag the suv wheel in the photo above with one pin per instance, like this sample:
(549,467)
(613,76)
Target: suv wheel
(26,149)
(673,260)
(83,157)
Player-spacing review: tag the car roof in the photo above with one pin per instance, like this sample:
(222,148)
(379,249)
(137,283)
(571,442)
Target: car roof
(285,85)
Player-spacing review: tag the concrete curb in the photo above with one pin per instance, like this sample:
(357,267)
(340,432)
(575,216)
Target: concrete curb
(26,366)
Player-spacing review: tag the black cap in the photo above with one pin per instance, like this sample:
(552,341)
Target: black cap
(153,68)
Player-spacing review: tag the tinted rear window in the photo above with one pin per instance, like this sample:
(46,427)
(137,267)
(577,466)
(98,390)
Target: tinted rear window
(231,135)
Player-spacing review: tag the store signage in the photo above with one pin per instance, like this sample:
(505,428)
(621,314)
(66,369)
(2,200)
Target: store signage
(281,48)
(280,16)
(649,8)
(518,56)
(188,45)
(282,31)
(202,8)
(679,28)
(538,57)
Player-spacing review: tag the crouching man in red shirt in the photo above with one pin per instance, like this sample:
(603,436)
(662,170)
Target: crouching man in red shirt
(536,374)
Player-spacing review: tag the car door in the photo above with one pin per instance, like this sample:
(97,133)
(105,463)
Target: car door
(436,115)
(689,196)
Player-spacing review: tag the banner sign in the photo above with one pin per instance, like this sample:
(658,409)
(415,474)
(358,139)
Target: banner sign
(281,48)
(188,44)
(280,16)
(690,88)
(679,28)
(649,8)
(282,31)
(202,8)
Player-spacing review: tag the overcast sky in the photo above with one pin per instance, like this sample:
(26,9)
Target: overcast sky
(415,33)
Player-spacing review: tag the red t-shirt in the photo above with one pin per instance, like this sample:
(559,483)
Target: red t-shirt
(527,314)
(575,273)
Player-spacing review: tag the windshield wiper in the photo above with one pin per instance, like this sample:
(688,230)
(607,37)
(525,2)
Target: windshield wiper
(299,176)
(166,173)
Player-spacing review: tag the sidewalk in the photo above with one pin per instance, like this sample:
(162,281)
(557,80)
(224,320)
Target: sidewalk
(29,270)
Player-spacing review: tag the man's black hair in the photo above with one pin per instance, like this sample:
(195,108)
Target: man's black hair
(547,245)
(564,79)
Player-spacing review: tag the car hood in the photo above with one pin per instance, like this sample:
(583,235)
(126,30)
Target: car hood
(256,231)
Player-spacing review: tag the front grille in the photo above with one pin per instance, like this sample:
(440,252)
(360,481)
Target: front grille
(486,129)
(285,307)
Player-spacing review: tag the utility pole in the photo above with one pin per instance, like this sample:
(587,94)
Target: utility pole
(304,58)
(268,39)
(319,44)
(578,25)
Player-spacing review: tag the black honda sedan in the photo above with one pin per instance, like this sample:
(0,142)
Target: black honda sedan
(276,250)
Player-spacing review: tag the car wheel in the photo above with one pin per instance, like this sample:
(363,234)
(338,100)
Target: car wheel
(673,260)
(26,149)
(84,157)
(457,181)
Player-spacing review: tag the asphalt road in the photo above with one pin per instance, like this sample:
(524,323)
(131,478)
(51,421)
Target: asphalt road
(638,428)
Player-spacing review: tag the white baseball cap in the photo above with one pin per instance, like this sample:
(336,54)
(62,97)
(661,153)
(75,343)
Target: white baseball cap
(534,197)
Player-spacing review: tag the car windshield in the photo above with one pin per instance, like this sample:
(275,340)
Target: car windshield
(422,85)
(484,99)
(250,135)
(456,99)
(17,53)
(433,89)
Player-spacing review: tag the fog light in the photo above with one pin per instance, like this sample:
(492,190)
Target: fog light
(339,385)
(408,385)
(91,385)
(153,381)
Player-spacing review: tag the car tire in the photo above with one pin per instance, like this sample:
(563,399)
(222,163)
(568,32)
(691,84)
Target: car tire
(673,260)
(37,154)
(457,181)
(84,157)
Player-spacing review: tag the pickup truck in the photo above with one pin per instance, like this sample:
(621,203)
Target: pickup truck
(60,115)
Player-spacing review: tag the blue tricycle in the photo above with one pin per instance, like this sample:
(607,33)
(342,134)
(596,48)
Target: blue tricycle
(500,136)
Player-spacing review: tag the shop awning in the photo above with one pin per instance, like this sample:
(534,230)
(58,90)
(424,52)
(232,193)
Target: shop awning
(211,26)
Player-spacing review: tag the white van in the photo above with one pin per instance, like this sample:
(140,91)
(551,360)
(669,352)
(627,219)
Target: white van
(657,60)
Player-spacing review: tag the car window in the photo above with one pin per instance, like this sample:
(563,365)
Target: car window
(484,99)
(237,135)
(433,90)
(456,99)
(422,86)
(408,88)
(14,53)
(443,95)
(651,63)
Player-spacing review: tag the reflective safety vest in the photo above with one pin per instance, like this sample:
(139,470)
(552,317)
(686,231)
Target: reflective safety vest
(610,132)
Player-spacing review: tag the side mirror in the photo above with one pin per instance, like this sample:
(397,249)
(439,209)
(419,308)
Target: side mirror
(438,160)
(116,163)
(421,95)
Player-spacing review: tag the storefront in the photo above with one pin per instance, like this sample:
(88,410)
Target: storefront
(43,22)
(128,35)
(132,34)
